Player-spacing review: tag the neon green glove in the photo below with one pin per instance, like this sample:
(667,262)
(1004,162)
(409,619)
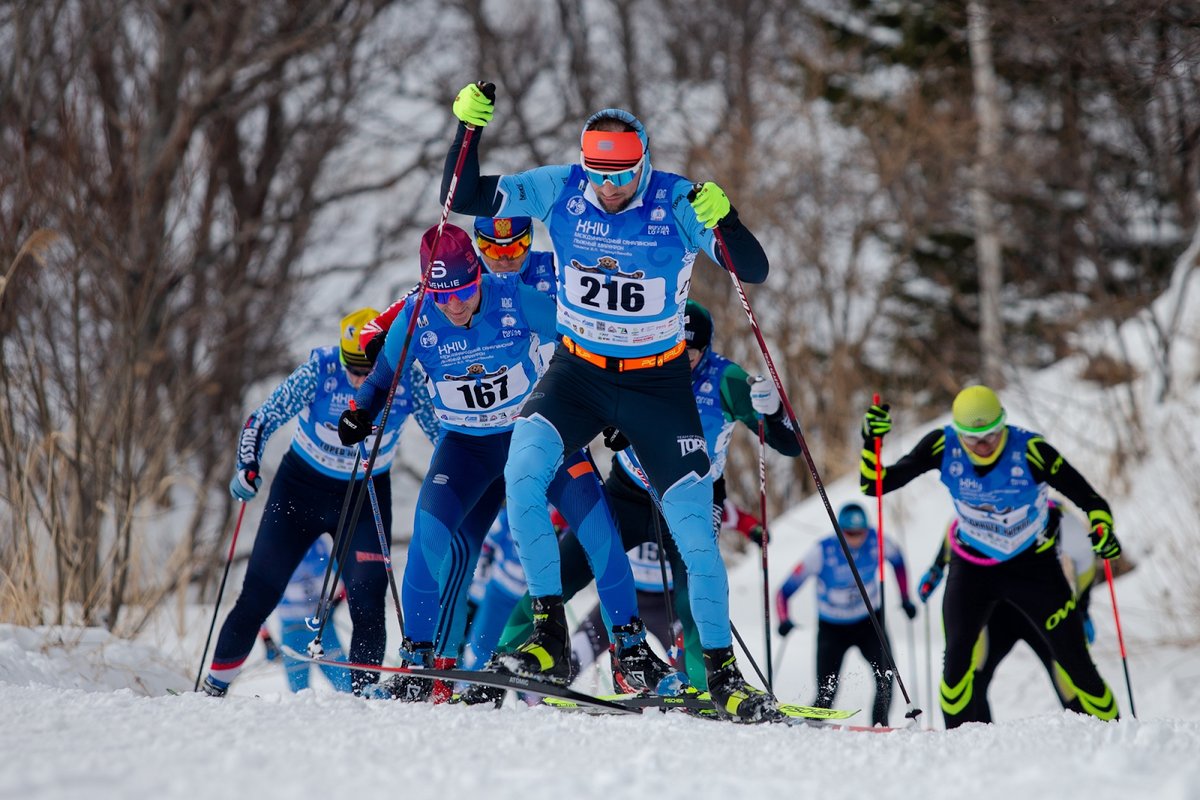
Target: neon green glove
(472,106)
(1104,541)
(710,204)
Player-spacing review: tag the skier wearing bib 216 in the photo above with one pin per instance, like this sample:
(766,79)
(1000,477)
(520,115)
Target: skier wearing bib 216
(625,236)
(305,499)
(999,477)
(478,346)
(842,620)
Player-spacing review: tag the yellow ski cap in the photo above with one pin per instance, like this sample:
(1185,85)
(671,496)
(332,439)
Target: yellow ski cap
(977,411)
(352,352)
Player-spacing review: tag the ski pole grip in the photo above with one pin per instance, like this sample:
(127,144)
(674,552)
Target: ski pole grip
(695,190)
(488,89)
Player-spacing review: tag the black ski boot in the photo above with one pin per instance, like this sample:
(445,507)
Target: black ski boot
(410,688)
(734,698)
(546,654)
(636,668)
(476,694)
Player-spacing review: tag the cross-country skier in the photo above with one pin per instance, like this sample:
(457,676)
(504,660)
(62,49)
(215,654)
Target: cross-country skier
(999,477)
(305,501)
(723,397)
(1008,625)
(842,620)
(477,344)
(501,587)
(626,237)
(299,603)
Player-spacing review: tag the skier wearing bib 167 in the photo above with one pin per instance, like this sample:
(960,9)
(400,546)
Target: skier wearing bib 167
(842,620)
(999,477)
(625,237)
(306,497)
(477,345)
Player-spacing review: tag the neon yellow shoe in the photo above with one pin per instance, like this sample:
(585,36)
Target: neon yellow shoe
(546,654)
(734,698)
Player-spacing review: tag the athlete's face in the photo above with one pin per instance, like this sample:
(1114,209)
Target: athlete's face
(983,446)
(694,356)
(855,536)
(459,312)
(355,376)
(505,263)
(614,199)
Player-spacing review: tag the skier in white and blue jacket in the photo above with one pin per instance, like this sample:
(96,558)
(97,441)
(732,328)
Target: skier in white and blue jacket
(305,501)
(625,237)
(477,342)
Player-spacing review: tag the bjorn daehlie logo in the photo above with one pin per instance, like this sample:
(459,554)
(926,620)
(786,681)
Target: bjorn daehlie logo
(691,444)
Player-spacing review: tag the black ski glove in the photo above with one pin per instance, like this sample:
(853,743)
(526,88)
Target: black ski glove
(785,627)
(909,609)
(615,440)
(354,426)
(371,351)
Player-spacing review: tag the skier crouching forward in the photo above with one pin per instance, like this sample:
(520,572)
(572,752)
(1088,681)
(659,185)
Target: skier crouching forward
(477,341)
(625,237)
(305,499)
(999,477)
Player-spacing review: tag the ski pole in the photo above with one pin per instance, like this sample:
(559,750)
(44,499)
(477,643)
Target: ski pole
(879,505)
(1120,636)
(913,711)
(668,595)
(314,623)
(383,547)
(762,509)
(779,658)
(928,662)
(221,591)
(489,91)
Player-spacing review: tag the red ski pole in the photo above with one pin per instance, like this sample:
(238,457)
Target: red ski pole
(1120,636)
(913,712)
(221,590)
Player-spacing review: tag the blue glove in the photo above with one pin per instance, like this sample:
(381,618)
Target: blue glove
(245,483)
(929,583)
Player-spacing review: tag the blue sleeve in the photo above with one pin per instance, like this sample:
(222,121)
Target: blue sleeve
(745,250)
(540,312)
(532,193)
(372,395)
(691,229)
(289,399)
(422,405)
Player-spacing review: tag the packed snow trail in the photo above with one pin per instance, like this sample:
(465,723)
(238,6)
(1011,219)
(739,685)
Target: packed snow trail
(70,744)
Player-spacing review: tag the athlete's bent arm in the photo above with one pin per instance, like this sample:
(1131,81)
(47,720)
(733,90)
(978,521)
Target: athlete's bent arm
(475,194)
(926,456)
(735,402)
(1047,465)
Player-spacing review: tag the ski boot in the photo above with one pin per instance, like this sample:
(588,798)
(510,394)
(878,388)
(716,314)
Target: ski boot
(476,694)
(734,698)
(410,688)
(546,654)
(443,690)
(213,687)
(637,669)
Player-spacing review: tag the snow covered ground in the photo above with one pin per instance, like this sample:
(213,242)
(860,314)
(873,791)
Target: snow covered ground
(86,716)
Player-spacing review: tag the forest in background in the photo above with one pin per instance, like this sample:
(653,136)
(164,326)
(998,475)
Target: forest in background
(180,177)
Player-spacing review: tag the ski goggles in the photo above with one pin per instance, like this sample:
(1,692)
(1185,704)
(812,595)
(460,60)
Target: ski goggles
(357,372)
(982,438)
(989,433)
(616,178)
(513,249)
(463,295)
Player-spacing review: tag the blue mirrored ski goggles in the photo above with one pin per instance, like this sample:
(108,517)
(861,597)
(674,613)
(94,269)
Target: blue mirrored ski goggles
(619,178)
(464,294)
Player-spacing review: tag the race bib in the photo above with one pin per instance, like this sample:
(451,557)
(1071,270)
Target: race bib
(620,294)
(478,390)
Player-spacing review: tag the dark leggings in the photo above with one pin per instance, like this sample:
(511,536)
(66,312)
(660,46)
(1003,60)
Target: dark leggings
(1034,584)
(302,505)
(833,640)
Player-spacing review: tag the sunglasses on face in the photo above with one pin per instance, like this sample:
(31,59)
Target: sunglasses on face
(511,250)
(356,372)
(985,438)
(618,178)
(464,294)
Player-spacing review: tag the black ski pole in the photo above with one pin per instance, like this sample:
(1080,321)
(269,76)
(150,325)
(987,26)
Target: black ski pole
(315,622)
(489,91)
(221,591)
(385,550)
(913,712)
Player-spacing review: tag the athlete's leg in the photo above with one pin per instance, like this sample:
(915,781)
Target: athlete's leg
(1034,583)
(832,644)
(489,622)
(971,593)
(366,585)
(454,580)
(579,496)
(872,650)
(657,413)
(293,519)
(1005,628)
